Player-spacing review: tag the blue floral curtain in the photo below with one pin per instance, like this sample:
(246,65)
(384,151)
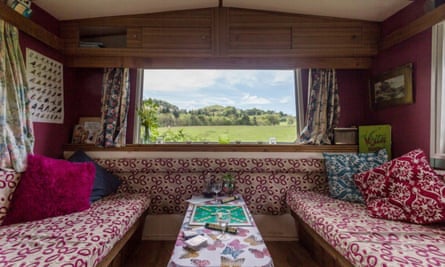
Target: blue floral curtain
(323,108)
(16,133)
(115,102)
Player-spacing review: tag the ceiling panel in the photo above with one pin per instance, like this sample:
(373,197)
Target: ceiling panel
(372,10)
(80,9)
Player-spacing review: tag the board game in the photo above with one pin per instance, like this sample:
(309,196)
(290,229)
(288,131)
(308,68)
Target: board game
(203,214)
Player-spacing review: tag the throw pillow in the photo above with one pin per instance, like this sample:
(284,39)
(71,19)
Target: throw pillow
(50,187)
(404,189)
(341,167)
(105,183)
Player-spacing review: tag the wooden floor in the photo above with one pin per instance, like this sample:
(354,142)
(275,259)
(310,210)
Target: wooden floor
(157,254)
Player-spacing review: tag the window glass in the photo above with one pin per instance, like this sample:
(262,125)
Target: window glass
(217,106)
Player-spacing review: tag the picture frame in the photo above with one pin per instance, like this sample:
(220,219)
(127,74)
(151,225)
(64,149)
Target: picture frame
(92,127)
(79,135)
(391,88)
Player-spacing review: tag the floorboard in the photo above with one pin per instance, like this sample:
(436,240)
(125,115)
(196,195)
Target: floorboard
(157,254)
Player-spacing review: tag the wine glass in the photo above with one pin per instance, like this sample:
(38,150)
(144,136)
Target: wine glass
(223,218)
(216,188)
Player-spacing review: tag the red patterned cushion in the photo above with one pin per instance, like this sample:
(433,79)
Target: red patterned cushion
(50,187)
(404,189)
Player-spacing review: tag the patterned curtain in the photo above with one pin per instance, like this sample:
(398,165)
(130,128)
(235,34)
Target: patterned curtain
(323,108)
(115,102)
(16,133)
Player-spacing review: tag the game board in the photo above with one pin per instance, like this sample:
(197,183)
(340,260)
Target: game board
(203,214)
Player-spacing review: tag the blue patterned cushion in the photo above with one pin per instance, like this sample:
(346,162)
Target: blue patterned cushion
(340,168)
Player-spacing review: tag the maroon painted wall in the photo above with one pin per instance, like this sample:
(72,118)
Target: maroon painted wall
(353,92)
(88,96)
(82,93)
(410,123)
(50,137)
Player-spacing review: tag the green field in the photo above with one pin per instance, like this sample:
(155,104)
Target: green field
(232,134)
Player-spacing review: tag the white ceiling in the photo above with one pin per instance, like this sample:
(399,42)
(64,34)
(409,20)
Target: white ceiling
(372,10)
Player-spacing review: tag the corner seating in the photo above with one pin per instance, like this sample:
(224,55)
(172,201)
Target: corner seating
(98,236)
(337,233)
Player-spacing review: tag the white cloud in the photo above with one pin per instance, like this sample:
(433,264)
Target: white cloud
(194,80)
(179,80)
(235,77)
(282,76)
(284,100)
(192,89)
(255,100)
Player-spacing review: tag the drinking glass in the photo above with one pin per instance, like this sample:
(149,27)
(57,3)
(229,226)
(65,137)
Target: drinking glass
(216,188)
(223,218)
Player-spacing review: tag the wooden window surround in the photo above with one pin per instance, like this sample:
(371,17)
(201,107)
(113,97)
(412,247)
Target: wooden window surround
(226,37)
(218,148)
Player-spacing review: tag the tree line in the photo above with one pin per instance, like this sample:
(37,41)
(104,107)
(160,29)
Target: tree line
(171,115)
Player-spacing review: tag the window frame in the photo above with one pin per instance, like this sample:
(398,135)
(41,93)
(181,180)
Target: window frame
(437,131)
(298,102)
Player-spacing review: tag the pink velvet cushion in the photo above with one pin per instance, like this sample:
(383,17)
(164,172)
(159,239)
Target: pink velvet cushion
(50,187)
(404,189)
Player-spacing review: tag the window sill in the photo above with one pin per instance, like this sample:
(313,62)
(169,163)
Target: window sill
(219,148)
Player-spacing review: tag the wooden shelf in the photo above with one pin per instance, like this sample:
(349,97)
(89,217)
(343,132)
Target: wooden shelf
(29,27)
(231,37)
(417,26)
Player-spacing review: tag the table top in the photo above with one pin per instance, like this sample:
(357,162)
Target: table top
(246,248)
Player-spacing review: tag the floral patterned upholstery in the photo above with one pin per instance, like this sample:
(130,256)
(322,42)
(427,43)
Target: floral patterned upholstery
(263,182)
(367,241)
(78,239)
(8,183)
(405,189)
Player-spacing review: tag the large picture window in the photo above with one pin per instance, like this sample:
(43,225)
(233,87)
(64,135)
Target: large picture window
(218,106)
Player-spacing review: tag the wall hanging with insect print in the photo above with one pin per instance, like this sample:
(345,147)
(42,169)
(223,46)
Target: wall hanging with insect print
(45,81)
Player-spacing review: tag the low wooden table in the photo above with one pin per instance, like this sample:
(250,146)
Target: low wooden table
(246,248)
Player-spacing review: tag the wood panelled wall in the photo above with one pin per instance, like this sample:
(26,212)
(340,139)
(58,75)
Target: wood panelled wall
(222,37)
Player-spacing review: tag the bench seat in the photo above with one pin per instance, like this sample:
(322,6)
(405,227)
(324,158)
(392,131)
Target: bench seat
(83,238)
(365,241)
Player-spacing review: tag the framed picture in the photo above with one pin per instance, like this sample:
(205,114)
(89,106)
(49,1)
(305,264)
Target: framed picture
(92,127)
(393,88)
(79,134)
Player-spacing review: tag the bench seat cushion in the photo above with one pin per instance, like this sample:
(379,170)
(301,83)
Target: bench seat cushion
(9,180)
(263,182)
(367,241)
(78,239)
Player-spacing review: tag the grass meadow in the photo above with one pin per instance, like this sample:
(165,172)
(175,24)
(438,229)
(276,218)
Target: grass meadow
(232,134)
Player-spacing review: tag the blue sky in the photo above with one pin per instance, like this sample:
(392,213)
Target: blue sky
(192,89)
